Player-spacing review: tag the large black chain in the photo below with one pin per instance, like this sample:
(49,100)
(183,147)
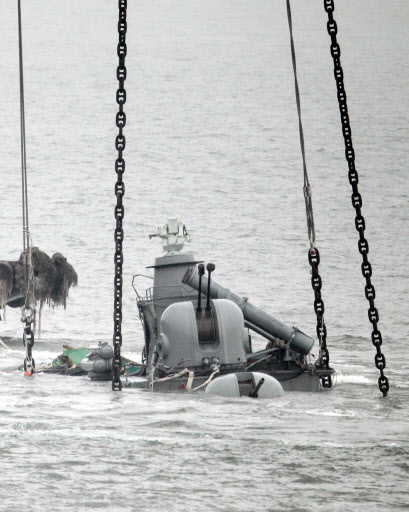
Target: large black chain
(363,246)
(314,260)
(313,254)
(119,192)
(28,340)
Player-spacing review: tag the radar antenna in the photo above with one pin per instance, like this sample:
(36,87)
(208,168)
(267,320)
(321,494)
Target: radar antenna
(174,235)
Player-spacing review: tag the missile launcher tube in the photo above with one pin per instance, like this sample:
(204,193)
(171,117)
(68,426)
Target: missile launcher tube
(296,339)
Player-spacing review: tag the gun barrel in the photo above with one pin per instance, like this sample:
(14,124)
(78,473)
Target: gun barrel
(296,339)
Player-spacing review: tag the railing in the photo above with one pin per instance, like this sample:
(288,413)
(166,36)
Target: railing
(162,293)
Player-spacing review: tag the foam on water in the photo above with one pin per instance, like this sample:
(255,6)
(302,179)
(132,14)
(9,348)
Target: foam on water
(354,379)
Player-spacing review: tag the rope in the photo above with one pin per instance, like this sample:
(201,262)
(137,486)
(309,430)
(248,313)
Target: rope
(23,136)
(4,345)
(307,188)
(28,310)
(189,380)
(30,296)
(208,380)
(174,376)
(313,253)
(27,245)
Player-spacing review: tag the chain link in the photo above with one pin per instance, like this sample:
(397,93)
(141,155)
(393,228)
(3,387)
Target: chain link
(319,308)
(120,143)
(356,198)
(27,319)
(313,254)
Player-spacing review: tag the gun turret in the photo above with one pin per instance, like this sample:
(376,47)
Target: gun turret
(255,318)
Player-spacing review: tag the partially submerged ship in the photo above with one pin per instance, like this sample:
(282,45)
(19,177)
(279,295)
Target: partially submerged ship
(197,334)
(189,345)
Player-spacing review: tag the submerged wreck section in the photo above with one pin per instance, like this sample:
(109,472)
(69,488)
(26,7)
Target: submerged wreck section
(196,332)
(53,278)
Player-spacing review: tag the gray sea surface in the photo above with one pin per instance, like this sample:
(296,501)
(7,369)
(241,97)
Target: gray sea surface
(212,138)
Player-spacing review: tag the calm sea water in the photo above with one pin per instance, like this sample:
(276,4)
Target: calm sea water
(211,138)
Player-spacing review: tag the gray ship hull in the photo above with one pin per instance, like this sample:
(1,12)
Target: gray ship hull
(307,380)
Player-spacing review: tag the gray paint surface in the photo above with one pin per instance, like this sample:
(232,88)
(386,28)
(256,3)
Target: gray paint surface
(297,340)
